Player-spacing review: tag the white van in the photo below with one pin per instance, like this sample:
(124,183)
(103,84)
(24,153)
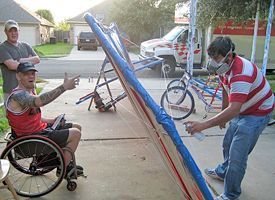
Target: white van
(173,49)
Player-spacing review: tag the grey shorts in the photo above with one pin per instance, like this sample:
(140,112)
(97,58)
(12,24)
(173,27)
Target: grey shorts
(59,136)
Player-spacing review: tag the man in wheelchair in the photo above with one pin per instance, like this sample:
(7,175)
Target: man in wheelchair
(24,113)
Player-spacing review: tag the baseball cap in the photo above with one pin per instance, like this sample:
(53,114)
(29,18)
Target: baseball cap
(26,66)
(11,24)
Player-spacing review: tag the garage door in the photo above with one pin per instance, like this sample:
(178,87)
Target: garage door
(78,29)
(28,34)
(2,34)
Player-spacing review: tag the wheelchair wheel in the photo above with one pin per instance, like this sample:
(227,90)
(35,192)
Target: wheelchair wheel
(71,186)
(34,162)
(178,102)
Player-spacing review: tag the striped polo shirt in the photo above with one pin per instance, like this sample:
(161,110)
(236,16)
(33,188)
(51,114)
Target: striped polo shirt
(246,84)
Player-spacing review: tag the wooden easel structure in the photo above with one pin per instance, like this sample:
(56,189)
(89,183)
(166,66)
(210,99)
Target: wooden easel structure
(94,96)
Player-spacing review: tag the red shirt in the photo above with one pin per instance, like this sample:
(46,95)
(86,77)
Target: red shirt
(246,84)
(26,122)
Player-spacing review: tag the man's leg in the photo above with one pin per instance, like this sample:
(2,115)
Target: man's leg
(74,125)
(227,140)
(67,135)
(247,133)
(220,171)
(72,143)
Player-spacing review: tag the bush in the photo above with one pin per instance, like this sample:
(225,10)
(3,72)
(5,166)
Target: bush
(4,124)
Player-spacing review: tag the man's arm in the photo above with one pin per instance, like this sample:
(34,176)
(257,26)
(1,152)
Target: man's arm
(6,58)
(227,114)
(13,64)
(225,104)
(48,97)
(25,99)
(32,56)
(225,101)
(33,59)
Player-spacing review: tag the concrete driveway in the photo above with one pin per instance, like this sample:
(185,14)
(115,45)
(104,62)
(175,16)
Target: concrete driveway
(122,163)
(90,55)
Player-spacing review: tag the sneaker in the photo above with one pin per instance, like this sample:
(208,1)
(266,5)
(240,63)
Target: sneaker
(212,173)
(222,197)
(69,168)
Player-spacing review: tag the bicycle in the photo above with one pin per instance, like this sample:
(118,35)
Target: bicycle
(178,101)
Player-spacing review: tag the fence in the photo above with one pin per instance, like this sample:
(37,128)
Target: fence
(62,36)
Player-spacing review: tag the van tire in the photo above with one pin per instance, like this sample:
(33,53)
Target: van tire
(168,68)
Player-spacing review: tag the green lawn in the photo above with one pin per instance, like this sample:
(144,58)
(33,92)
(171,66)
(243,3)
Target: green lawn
(271,80)
(4,125)
(53,50)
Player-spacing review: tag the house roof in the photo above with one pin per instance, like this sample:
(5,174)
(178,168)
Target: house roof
(101,8)
(20,14)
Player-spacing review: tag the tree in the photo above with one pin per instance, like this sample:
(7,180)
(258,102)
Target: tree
(63,26)
(46,14)
(217,12)
(142,18)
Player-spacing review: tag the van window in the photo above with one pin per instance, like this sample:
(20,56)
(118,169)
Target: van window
(184,37)
(173,34)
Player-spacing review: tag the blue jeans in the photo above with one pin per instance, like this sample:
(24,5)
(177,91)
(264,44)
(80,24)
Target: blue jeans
(239,140)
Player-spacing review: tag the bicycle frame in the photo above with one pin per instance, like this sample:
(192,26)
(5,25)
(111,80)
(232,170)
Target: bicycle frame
(193,85)
(200,88)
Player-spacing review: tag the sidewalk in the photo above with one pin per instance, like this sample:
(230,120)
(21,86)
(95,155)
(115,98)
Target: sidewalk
(122,164)
(90,55)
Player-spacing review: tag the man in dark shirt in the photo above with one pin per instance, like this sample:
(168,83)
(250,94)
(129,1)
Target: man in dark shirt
(13,52)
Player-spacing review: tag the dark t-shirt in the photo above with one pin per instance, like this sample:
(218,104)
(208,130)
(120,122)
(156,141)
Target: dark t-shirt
(9,51)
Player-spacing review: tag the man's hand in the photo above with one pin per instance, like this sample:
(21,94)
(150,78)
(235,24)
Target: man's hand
(222,125)
(195,127)
(70,84)
(48,97)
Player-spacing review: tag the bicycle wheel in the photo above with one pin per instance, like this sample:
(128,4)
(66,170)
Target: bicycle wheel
(34,160)
(178,102)
(176,82)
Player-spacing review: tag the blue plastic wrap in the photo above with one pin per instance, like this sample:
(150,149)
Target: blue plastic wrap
(115,54)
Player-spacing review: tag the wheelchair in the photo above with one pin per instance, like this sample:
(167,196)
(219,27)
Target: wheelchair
(37,165)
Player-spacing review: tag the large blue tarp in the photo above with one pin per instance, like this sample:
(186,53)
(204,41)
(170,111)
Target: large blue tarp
(117,55)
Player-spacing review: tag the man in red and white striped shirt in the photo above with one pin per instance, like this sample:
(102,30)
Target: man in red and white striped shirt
(248,103)
(246,84)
